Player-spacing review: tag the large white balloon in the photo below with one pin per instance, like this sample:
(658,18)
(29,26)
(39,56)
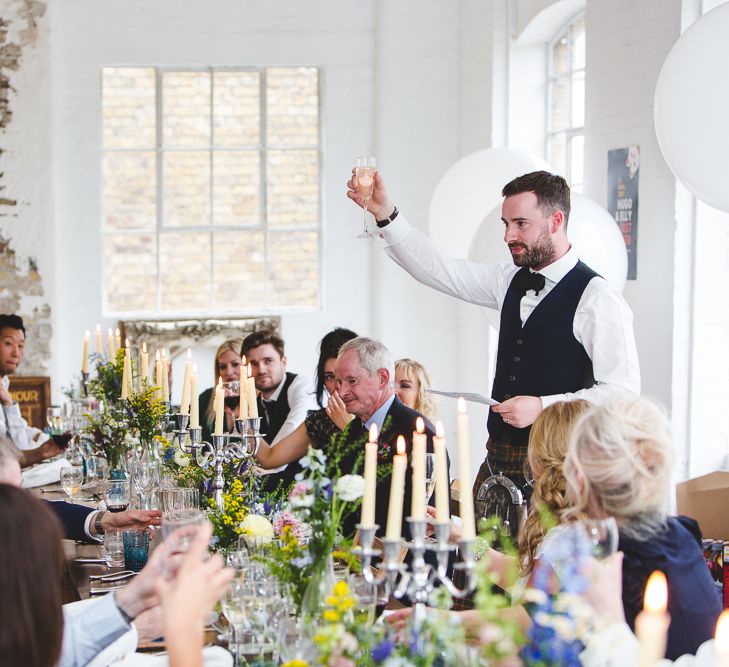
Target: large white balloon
(592,232)
(691,108)
(470,189)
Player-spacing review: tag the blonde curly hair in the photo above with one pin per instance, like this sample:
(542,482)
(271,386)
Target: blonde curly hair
(548,441)
(414,370)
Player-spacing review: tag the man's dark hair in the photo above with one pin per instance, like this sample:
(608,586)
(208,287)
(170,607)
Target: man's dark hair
(263,337)
(11,322)
(329,349)
(552,191)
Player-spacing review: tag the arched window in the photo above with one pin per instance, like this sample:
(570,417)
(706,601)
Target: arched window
(566,102)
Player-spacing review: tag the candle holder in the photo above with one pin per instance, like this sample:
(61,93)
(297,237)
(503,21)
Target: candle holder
(85,384)
(418,578)
(224,448)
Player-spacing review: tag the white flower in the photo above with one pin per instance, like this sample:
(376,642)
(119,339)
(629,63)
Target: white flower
(302,501)
(258,528)
(350,487)
(181,459)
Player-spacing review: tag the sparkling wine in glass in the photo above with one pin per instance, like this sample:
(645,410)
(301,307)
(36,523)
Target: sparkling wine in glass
(364,178)
(71,479)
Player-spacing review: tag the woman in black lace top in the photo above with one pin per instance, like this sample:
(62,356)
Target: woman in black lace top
(320,425)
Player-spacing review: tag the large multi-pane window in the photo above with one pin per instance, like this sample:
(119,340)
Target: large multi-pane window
(211,189)
(566,131)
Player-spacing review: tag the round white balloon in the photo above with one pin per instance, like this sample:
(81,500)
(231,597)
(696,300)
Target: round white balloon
(469,189)
(591,230)
(691,108)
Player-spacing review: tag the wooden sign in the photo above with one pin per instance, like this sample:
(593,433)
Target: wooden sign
(33,395)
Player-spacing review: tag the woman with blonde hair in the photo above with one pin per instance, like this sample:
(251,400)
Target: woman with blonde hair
(619,463)
(226,366)
(411,384)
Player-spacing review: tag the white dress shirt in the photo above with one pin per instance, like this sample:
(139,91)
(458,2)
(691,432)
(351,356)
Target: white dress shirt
(301,399)
(15,428)
(603,321)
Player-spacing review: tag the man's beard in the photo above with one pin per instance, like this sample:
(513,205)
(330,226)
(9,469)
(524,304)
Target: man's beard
(540,254)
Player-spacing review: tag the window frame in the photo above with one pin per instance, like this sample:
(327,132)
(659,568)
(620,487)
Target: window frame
(263,226)
(570,131)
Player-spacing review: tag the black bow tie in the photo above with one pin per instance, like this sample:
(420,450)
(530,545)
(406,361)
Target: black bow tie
(526,280)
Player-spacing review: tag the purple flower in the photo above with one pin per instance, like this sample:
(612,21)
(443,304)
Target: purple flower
(383,650)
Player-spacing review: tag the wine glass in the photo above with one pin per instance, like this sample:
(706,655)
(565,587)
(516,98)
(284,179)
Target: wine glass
(601,535)
(364,179)
(71,479)
(146,479)
(118,495)
(231,398)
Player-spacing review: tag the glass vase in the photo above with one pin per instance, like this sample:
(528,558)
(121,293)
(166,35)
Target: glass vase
(319,588)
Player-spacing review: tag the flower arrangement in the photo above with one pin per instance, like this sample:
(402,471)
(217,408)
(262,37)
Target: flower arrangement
(307,530)
(228,522)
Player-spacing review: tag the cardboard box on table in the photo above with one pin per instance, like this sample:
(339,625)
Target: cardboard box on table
(706,499)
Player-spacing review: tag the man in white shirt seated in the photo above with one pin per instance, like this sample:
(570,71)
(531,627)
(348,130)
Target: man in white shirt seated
(12,424)
(283,398)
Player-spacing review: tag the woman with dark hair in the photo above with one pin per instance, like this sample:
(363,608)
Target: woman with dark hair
(321,425)
(31,616)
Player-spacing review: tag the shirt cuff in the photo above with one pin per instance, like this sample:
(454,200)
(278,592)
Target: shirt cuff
(551,400)
(87,526)
(396,232)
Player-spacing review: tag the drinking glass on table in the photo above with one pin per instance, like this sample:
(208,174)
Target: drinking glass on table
(601,536)
(71,480)
(136,549)
(114,548)
(364,180)
(118,495)
(146,479)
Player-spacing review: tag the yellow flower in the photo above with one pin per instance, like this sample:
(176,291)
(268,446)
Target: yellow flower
(331,616)
(296,663)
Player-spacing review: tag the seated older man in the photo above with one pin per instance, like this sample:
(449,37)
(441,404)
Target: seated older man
(78,522)
(365,374)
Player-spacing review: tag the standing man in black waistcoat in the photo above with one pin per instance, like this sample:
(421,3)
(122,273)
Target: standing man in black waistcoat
(565,332)
(283,398)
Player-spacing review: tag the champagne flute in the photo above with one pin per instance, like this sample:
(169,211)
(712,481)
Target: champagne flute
(71,478)
(364,178)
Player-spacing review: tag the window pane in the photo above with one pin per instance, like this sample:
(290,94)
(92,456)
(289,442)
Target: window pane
(293,268)
(184,262)
(578,43)
(236,108)
(239,272)
(130,267)
(186,109)
(558,154)
(292,106)
(293,188)
(577,159)
(130,190)
(236,188)
(560,105)
(186,188)
(128,107)
(578,99)
(560,62)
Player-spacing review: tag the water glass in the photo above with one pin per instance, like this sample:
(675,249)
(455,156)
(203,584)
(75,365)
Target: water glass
(136,549)
(146,479)
(71,479)
(114,548)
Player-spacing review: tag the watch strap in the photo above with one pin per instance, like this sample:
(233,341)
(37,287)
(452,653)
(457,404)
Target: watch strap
(98,526)
(389,219)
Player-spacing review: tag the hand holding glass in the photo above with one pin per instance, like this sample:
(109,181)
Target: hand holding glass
(364,179)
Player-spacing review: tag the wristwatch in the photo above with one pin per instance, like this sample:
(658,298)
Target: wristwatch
(98,527)
(388,220)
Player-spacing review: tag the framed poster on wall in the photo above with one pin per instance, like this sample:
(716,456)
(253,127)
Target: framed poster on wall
(33,395)
(623,175)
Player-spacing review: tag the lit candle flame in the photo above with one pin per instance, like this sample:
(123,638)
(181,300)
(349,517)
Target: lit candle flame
(656,593)
(189,354)
(194,367)
(400,445)
(250,371)
(98,329)
(87,334)
(144,348)
(156,356)
(722,634)
(420,425)
(373,433)
(461,403)
(439,429)
(118,333)
(243,360)
(111,333)
(126,343)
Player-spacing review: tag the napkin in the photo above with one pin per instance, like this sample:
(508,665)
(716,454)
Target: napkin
(43,473)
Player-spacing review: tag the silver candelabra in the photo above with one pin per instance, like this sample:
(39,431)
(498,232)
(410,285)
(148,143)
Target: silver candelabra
(224,448)
(419,578)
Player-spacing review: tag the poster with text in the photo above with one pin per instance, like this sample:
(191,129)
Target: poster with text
(623,174)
